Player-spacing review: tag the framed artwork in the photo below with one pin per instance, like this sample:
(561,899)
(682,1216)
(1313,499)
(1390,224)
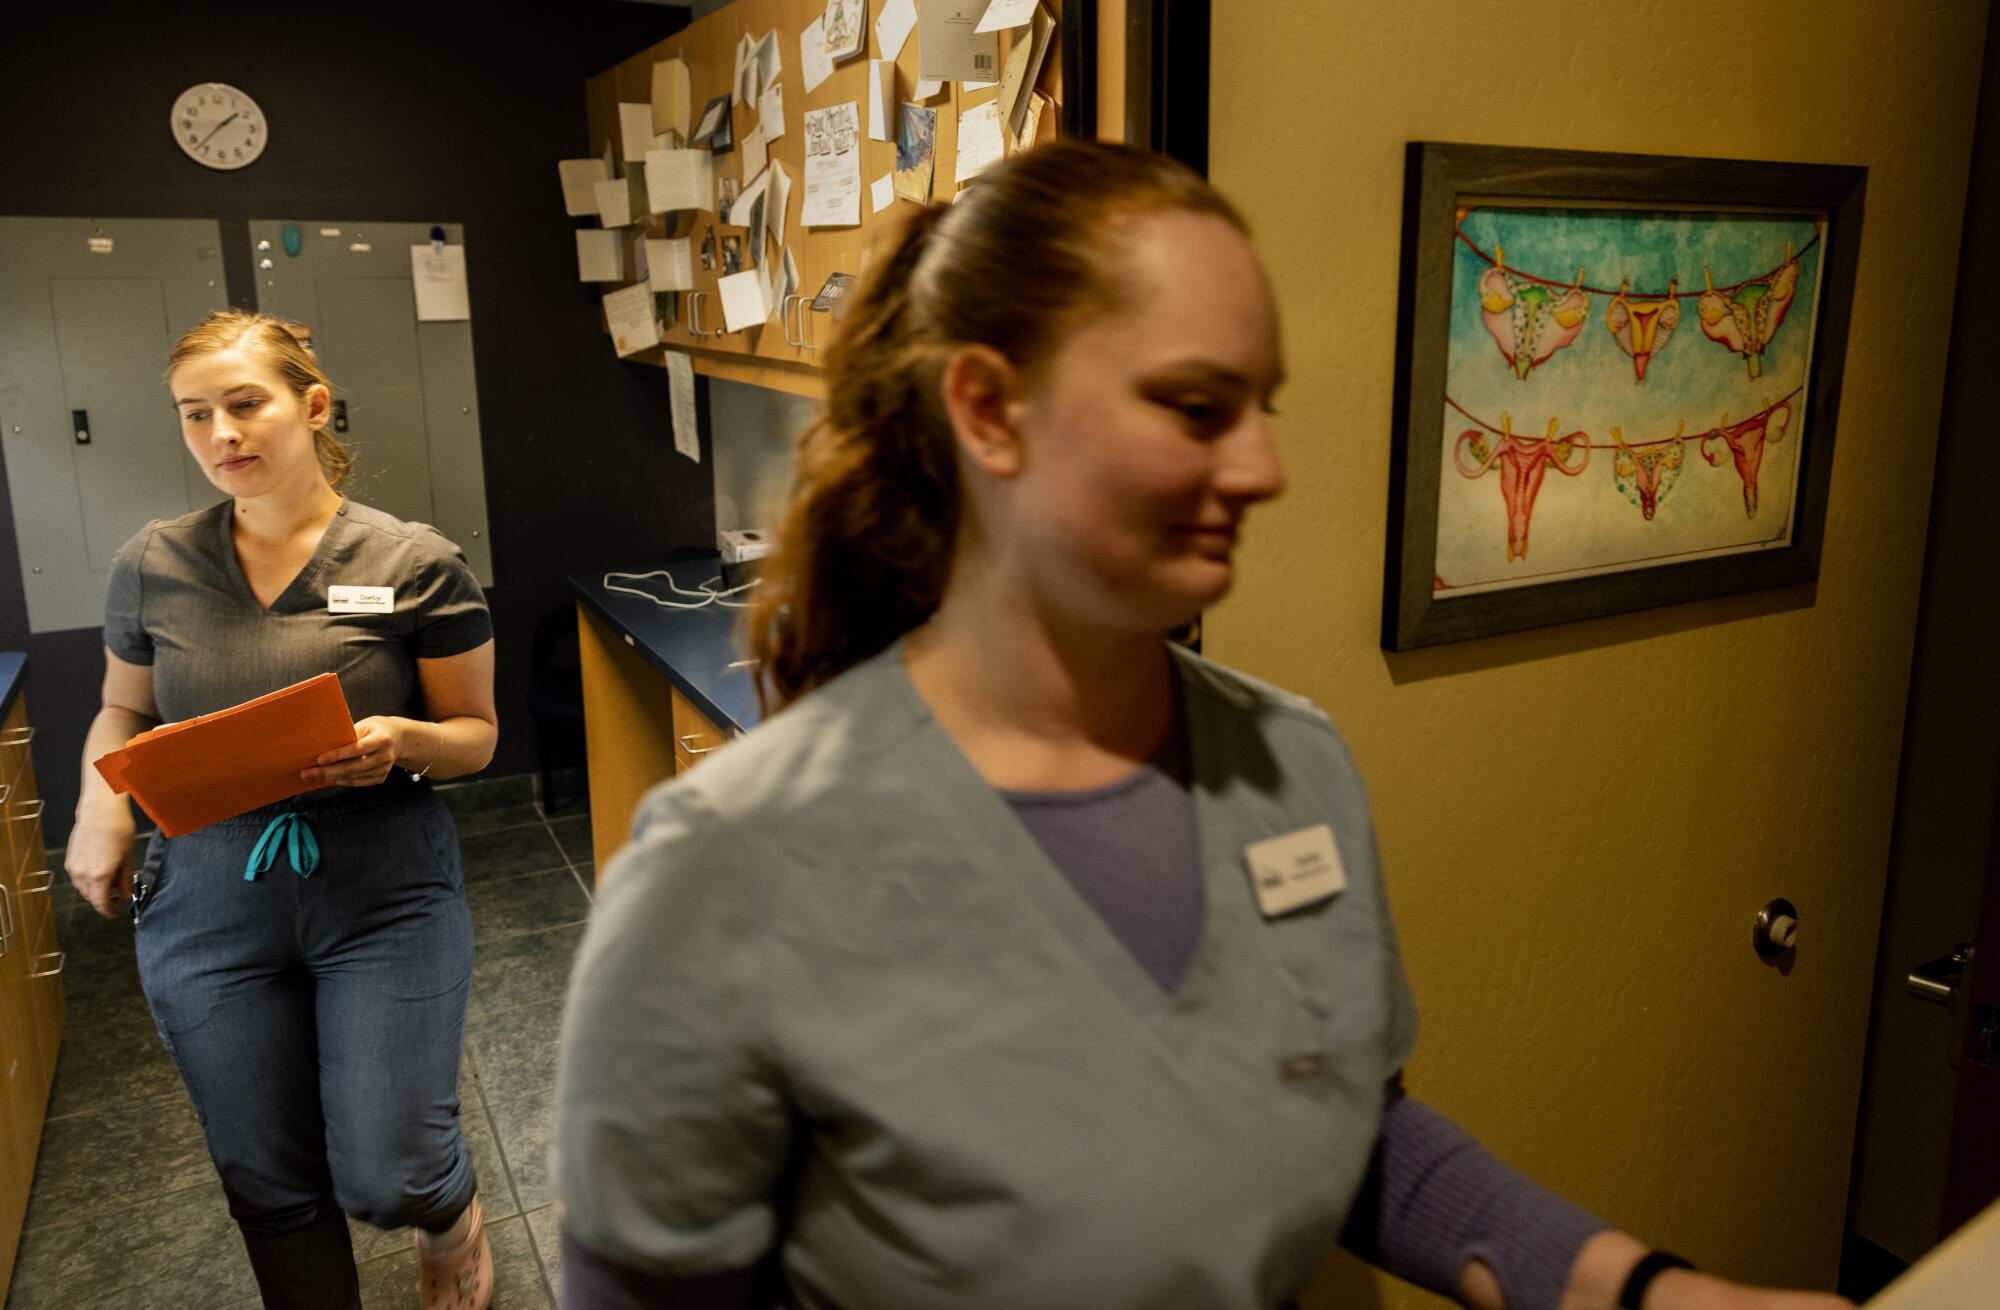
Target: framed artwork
(1617,382)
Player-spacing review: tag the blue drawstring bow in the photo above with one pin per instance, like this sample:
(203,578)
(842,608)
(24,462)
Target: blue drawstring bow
(290,831)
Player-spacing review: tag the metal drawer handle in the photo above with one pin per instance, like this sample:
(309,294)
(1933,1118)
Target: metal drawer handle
(47,876)
(32,810)
(60,958)
(691,750)
(17,736)
(6,790)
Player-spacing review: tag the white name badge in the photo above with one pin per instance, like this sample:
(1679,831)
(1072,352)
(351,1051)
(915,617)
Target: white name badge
(360,600)
(1298,869)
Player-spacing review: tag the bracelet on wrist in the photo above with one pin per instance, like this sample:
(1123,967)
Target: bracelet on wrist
(1650,1266)
(419,774)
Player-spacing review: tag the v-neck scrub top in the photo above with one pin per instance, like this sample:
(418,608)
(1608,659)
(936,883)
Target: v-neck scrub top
(836,999)
(178,600)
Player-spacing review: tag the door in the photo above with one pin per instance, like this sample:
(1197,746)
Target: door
(409,411)
(1927,1146)
(88,312)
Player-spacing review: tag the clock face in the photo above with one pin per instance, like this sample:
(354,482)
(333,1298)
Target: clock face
(218,125)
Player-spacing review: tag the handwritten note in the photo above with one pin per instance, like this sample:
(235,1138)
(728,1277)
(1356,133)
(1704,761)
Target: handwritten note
(440,281)
(833,166)
(680,388)
(814,62)
(634,324)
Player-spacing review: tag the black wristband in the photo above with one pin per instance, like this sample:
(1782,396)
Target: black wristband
(1651,1266)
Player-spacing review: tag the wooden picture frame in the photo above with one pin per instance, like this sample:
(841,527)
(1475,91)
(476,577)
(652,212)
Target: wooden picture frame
(1565,333)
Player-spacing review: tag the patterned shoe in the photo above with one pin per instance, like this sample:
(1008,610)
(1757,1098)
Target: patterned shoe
(462,1277)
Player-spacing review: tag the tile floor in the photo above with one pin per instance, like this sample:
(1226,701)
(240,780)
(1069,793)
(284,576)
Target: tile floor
(125,1208)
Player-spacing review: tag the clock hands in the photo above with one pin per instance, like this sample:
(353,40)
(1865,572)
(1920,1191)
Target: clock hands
(219,126)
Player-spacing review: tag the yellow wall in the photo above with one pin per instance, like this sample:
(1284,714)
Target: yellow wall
(1579,823)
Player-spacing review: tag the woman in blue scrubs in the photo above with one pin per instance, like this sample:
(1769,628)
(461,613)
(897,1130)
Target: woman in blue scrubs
(1025,959)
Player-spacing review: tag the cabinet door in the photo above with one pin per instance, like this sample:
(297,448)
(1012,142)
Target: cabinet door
(694,735)
(20,1105)
(34,932)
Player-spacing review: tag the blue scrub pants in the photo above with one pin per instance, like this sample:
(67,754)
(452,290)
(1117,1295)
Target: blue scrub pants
(317,1023)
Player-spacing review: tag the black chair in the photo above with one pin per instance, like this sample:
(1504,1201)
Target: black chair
(555,699)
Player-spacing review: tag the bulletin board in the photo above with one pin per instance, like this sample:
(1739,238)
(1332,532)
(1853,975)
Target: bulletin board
(763,355)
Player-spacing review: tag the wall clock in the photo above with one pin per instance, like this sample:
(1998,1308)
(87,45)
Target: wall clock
(218,125)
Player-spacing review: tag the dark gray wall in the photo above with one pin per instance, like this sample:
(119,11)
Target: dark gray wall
(381,112)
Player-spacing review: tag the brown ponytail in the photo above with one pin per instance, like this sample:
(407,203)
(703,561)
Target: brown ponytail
(286,349)
(865,544)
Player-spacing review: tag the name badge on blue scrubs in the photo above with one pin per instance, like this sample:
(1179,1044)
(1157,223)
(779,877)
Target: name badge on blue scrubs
(1296,870)
(360,600)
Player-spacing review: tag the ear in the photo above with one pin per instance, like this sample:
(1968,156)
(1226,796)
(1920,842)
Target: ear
(981,396)
(319,404)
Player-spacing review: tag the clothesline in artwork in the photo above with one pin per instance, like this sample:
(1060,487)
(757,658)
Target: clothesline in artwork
(1643,471)
(1572,440)
(1498,260)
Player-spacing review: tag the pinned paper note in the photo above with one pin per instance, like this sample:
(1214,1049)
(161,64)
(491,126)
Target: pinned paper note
(579,178)
(1031,125)
(743,86)
(980,145)
(898,20)
(634,323)
(714,121)
(927,87)
(670,264)
(882,100)
(600,255)
(771,111)
(680,390)
(882,191)
(815,65)
(950,46)
(833,167)
(671,91)
(614,202)
(781,199)
(746,300)
(439,276)
(916,153)
(769,63)
(1024,67)
(846,24)
(679,179)
(1003,14)
(755,153)
(635,130)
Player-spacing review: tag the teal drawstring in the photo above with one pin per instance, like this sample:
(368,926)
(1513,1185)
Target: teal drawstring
(289,830)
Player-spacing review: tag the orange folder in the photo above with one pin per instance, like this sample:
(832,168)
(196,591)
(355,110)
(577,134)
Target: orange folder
(199,771)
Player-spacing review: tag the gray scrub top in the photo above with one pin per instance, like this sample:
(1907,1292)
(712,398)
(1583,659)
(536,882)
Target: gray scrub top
(835,998)
(178,600)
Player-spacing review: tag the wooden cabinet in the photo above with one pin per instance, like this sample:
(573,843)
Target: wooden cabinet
(31,963)
(638,731)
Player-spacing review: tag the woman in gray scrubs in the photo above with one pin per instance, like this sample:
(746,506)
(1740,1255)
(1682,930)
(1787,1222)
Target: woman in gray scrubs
(306,963)
(1025,959)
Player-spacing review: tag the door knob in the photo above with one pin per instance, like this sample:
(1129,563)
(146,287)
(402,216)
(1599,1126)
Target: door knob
(1777,929)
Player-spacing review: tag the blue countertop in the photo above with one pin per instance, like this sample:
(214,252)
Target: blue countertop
(694,649)
(13,667)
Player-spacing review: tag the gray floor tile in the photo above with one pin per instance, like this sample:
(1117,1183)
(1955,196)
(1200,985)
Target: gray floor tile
(573,835)
(131,1154)
(586,873)
(479,794)
(494,1193)
(525,1127)
(509,852)
(516,1049)
(518,815)
(504,907)
(547,1232)
(176,1250)
(523,970)
(111,1058)
(390,1283)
